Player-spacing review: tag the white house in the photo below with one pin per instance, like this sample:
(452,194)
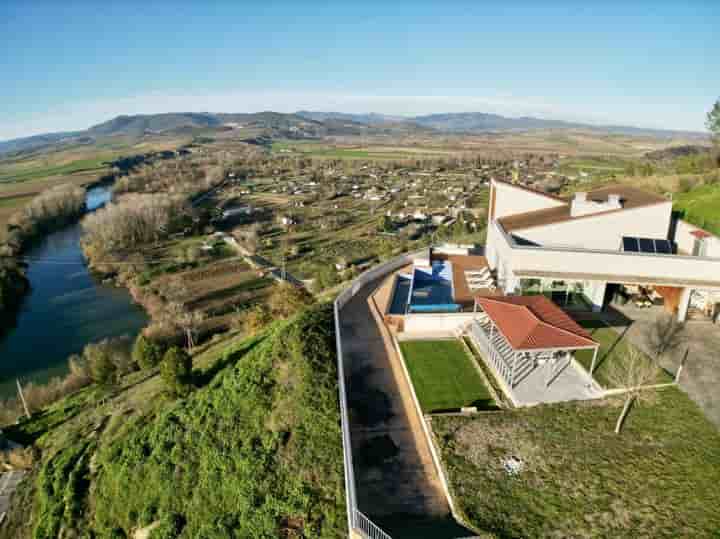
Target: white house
(588,246)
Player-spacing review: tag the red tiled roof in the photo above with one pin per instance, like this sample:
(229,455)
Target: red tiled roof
(534,322)
(701,234)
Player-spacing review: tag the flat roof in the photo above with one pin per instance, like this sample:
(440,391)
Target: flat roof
(535,323)
(630,197)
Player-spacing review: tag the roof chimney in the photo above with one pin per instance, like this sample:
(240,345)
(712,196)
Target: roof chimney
(614,200)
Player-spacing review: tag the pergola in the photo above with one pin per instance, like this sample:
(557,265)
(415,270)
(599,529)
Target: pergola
(519,333)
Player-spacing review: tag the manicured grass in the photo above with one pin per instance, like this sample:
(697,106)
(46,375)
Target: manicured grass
(444,377)
(701,206)
(658,478)
(613,347)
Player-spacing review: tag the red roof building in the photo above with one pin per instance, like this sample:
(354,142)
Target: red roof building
(534,322)
(517,334)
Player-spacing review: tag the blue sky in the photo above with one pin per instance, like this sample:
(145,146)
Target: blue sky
(67,65)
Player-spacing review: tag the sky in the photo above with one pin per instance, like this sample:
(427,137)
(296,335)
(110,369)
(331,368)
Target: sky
(69,65)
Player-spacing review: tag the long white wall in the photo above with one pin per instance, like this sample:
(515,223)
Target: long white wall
(435,322)
(510,199)
(604,231)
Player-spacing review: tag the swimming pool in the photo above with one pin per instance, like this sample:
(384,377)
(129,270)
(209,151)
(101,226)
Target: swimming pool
(427,289)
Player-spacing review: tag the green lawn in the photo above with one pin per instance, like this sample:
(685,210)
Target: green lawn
(444,377)
(700,206)
(658,478)
(613,347)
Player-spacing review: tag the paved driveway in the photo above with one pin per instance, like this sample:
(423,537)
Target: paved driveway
(701,342)
(394,473)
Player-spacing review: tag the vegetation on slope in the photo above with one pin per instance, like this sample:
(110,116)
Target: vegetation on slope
(657,479)
(254,453)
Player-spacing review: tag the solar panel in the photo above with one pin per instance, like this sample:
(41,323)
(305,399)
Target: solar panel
(646,245)
(630,244)
(663,247)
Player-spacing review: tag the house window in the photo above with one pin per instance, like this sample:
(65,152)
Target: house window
(530,287)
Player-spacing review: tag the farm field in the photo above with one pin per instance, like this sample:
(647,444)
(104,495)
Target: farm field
(332,151)
(658,478)
(444,377)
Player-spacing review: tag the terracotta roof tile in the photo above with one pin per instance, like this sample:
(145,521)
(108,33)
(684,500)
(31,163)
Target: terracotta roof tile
(534,322)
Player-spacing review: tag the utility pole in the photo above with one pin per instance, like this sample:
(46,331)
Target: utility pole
(22,397)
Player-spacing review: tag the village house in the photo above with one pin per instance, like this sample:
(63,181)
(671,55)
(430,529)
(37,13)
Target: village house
(612,242)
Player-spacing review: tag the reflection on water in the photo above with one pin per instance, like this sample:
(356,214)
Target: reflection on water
(65,309)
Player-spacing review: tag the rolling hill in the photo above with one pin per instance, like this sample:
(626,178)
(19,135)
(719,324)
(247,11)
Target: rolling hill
(317,124)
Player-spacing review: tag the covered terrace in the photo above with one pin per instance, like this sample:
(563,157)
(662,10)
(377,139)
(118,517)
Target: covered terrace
(529,343)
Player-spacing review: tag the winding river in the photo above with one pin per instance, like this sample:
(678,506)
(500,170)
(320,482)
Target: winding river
(66,308)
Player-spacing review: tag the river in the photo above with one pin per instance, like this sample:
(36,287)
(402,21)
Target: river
(67,307)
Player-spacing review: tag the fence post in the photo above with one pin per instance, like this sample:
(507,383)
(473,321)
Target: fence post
(682,364)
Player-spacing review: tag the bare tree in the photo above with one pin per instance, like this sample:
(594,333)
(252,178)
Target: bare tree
(188,321)
(665,334)
(632,375)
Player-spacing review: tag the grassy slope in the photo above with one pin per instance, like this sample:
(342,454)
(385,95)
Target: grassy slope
(701,206)
(443,376)
(255,453)
(657,479)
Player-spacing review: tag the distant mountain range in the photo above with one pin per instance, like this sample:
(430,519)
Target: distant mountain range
(316,123)
(477,122)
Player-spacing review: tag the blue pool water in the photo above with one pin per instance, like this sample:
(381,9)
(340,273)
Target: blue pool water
(429,289)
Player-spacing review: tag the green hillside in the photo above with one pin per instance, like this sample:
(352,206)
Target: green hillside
(701,206)
(254,452)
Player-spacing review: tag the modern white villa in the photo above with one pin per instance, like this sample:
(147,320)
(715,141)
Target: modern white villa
(585,251)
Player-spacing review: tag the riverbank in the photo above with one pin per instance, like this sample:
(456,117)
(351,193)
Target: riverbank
(66,308)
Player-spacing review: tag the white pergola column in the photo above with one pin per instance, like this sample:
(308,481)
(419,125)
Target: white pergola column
(592,365)
(596,295)
(684,304)
(512,370)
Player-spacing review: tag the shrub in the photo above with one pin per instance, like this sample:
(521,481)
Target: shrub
(256,319)
(287,300)
(146,353)
(176,371)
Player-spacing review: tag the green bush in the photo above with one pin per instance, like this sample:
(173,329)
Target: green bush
(146,353)
(176,371)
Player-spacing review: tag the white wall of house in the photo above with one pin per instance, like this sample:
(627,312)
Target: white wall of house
(604,231)
(510,200)
(625,267)
(686,241)
(435,323)
(595,292)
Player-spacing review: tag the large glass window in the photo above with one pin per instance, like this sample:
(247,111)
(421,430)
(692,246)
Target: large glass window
(530,287)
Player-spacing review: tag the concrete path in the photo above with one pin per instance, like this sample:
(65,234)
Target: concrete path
(396,481)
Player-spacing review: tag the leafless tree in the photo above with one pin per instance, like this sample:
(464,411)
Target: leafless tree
(632,375)
(188,321)
(665,334)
